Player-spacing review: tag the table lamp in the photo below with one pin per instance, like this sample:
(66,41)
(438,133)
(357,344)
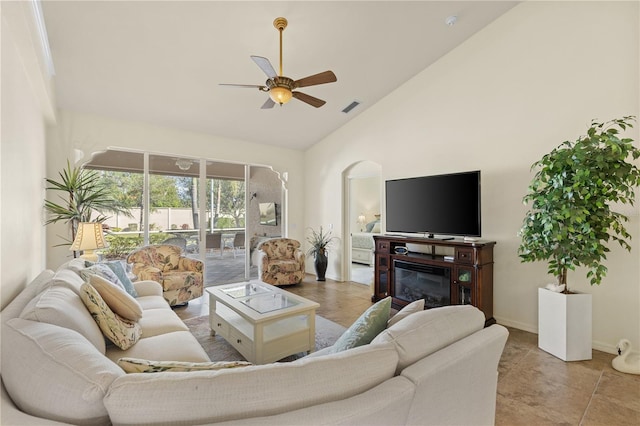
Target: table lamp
(89,237)
(361,220)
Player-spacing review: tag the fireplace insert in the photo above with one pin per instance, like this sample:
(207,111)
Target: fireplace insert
(414,281)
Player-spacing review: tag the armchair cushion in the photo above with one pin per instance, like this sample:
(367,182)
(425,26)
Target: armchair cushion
(280,248)
(283,265)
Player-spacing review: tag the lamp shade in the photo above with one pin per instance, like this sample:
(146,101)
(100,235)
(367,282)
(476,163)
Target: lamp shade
(88,238)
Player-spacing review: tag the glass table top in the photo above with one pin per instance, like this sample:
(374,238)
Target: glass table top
(260,298)
(246,289)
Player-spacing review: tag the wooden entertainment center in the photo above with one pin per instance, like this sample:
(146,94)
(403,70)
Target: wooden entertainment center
(441,271)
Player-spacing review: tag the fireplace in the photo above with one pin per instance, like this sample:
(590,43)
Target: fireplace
(413,281)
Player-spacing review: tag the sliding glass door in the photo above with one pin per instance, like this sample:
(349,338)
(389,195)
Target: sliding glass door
(196,204)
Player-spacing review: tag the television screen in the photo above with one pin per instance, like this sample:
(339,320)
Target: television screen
(440,204)
(268,214)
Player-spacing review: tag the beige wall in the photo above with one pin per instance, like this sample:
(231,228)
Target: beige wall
(530,80)
(26,104)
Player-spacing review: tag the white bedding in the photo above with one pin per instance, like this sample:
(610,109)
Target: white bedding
(362,240)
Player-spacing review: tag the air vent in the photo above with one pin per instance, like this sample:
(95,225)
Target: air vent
(351,106)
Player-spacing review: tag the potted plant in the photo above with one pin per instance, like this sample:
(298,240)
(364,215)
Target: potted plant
(83,195)
(570,223)
(320,242)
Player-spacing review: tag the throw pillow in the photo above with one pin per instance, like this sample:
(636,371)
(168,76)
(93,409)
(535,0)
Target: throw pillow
(103,270)
(122,332)
(118,268)
(135,365)
(117,299)
(411,308)
(366,327)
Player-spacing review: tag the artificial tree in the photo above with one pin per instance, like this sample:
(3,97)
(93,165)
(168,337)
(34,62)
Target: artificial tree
(573,195)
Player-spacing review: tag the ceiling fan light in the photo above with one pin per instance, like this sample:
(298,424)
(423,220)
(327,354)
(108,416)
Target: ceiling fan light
(280,95)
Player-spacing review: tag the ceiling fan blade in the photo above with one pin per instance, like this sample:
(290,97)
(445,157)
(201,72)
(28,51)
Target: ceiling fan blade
(321,78)
(315,102)
(247,86)
(268,104)
(265,66)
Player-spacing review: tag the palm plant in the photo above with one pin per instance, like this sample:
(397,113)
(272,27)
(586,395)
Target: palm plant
(83,195)
(571,219)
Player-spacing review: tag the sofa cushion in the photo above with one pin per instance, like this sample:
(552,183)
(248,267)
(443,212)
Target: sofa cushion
(203,397)
(53,372)
(122,332)
(148,288)
(366,327)
(173,346)
(61,306)
(102,270)
(120,270)
(423,333)
(160,321)
(136,365)
(68,278)
(117,299)
(411,308)
(17,305)
(152,302)
(76,265)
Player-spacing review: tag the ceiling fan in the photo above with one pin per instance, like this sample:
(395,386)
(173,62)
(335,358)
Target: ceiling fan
(281,88)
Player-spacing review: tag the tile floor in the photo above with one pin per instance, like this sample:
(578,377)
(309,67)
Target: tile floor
(534,388)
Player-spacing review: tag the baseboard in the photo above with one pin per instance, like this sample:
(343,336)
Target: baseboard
(515,324)
(604,347)
(599,346)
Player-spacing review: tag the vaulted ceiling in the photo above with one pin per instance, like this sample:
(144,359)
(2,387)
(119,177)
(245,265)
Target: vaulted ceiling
(161,62)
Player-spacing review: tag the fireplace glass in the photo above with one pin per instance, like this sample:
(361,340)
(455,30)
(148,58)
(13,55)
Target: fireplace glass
(415,281)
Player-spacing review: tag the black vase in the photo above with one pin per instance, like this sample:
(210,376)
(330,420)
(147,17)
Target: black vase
(320,265)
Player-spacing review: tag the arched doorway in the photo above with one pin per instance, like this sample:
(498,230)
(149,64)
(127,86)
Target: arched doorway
(362,218)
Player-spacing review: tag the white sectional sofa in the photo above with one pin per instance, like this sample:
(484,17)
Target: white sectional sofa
(432,367)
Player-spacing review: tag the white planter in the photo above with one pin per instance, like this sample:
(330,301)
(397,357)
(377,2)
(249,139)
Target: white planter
(564,324)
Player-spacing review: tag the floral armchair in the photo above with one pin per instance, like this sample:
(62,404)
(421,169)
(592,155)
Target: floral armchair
(282,262)
(181,277)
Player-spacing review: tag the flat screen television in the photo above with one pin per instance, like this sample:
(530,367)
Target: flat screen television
(268,214)
(440,204)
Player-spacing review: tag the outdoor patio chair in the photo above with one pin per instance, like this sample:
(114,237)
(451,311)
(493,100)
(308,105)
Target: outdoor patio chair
(177,241)
(238,242)
(214,241)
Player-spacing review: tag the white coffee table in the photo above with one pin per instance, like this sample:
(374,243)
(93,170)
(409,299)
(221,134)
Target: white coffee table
(263,322)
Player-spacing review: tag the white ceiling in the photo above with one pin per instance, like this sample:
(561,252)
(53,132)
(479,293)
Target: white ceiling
(161,61)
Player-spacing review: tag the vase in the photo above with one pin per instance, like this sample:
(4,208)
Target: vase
(320,264)
(564,324)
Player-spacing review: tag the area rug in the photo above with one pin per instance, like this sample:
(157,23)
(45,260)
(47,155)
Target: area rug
(327,332)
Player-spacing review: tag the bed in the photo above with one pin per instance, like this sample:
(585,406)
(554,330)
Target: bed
(363,246)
